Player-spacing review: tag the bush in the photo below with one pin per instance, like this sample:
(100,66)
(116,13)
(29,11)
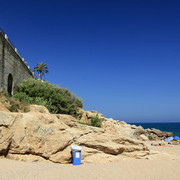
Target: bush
(96,121)
(56,100)
(21,96)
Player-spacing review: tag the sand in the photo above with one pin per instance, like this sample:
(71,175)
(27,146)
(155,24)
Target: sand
(160,168)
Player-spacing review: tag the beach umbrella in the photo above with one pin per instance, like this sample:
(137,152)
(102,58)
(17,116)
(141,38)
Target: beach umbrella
(176,138)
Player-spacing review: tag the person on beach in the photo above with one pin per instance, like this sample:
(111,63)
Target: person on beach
(151,136)
(164,137)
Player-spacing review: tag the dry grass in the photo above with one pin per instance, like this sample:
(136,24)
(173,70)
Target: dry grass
(13,104)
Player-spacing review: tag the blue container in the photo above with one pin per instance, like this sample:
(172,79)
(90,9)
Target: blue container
(76,150)
(77,158)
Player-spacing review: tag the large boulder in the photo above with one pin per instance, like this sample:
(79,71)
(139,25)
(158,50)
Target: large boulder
(38,108)
(41,136)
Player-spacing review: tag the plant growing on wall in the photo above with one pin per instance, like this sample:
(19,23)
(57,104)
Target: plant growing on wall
(41,69)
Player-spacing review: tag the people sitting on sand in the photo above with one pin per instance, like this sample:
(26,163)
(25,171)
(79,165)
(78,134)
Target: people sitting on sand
(164,137)
(161,144)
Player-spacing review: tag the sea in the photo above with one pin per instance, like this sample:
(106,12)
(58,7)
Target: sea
(169,127)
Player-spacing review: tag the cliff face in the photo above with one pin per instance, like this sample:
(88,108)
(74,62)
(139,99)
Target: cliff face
(41,136)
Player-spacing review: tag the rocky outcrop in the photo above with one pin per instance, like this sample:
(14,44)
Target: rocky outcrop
(159,133)
(86,115)
(41,136)
(114,127)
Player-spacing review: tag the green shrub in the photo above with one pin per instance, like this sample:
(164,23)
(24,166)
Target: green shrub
(79,102)
(56,100)
(22,97)
(96,121)
(40,101)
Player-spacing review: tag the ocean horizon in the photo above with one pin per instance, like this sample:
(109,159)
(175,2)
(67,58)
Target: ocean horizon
(163,126)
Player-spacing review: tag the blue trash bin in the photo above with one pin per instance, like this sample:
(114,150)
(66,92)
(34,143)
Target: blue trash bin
(76,152)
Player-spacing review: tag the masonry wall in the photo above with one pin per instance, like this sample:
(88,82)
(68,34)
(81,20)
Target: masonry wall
(11,63)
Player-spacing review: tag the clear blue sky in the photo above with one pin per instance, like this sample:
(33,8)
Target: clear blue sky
(121,57)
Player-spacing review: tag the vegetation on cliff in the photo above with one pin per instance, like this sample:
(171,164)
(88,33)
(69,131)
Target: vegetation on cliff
(13,104)
(57,100)
(94,121)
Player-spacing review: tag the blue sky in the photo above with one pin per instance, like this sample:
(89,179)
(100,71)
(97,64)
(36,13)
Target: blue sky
(121,57)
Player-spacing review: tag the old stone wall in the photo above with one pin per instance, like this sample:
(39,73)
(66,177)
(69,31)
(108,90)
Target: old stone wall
(13,69)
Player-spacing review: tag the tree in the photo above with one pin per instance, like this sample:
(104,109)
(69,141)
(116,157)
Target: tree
(41,69)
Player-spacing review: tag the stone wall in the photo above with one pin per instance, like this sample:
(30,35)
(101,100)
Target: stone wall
(13,69)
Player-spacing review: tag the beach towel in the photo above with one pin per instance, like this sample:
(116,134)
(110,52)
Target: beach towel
(169,139)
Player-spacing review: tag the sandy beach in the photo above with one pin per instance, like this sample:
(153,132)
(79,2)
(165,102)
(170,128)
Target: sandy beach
(90,90)
(165,165)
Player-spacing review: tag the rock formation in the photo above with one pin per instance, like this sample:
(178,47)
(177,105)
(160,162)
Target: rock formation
(159,133)
(121,128)
(41,136)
